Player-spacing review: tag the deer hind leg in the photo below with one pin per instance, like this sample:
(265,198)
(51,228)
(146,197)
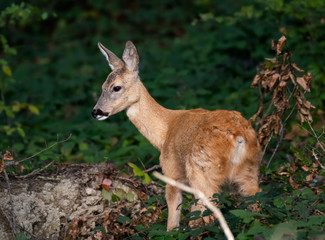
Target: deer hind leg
(201,179)
(174,200)
(247,180)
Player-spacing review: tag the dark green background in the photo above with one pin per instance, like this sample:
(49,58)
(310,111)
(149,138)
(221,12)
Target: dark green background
(192,54)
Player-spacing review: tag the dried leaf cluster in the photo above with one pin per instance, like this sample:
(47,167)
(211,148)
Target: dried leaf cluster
(6,157)
(108,226)
(280,79)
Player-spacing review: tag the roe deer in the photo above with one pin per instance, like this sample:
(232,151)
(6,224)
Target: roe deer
(202,148)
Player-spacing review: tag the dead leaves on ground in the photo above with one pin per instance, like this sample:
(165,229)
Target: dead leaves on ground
(280,78)
(121,217)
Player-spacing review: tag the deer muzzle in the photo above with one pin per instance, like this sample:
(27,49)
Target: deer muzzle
(99,114)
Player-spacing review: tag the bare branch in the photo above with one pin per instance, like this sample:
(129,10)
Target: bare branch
(36,171)
(15,163)
(203,198)
(277,146)
(155,167)
(317,137)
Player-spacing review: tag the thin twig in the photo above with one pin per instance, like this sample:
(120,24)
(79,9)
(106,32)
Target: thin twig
(15,163)
(265,147)
(317,137)
(36,171)
(316,158)
(277,146)
(28,232)
(45,149)
(155,167)
(203,198)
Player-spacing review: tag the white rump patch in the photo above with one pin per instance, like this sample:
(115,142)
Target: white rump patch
(239,151)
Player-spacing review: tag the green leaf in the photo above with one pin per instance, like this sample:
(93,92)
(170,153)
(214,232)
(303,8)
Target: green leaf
(21,132)
(137,171)
(278,202)
(21,236)
(120,193)
(106,195)
(283,229)
(33,109)
(302,209)
(256,228)
(44,15)
(115,198)
(146,178)
(16,107)
(83,146)
(246,216)
(123,219)
(6,69)
(289,200)
(130,197)
(307,193)
(99,228)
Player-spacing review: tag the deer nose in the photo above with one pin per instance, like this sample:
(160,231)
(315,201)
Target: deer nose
(98,112)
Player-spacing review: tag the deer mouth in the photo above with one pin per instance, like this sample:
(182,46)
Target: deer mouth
(99,114)
(101,118)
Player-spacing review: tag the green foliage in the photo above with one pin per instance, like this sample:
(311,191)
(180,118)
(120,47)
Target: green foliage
(280,213)
(21,236)
(13,16)
(117,195)
(138,172)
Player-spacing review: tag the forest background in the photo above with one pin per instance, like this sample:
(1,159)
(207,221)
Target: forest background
(192,54)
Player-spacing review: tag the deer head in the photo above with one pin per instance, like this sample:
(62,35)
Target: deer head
(120,90)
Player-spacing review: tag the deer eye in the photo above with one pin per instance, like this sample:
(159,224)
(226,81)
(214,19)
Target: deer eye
(116,88)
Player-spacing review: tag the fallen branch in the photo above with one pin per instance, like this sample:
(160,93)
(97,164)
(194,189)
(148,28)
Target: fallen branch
(203,198)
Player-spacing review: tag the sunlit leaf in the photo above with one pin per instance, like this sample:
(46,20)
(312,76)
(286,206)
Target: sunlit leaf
(6,69)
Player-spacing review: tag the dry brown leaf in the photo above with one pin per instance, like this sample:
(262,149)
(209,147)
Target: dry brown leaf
(302,82)
(304,111)
(8,156)
(280,44)
(2,165)
(21,168)
(282,84)
(310,177)
(292,77)
(292,167)
(296,68)
(256,80)
(293,184)
(274,78)
(305,168)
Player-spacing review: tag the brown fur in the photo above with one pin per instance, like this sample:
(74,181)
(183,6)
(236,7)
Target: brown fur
(202,148)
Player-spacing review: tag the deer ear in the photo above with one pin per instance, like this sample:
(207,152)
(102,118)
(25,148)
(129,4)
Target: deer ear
(113,61)
(131,57)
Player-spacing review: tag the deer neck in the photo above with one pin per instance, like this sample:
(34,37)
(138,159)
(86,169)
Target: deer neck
(150,118)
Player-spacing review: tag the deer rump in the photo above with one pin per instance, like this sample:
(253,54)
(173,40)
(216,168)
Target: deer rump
(207,149)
